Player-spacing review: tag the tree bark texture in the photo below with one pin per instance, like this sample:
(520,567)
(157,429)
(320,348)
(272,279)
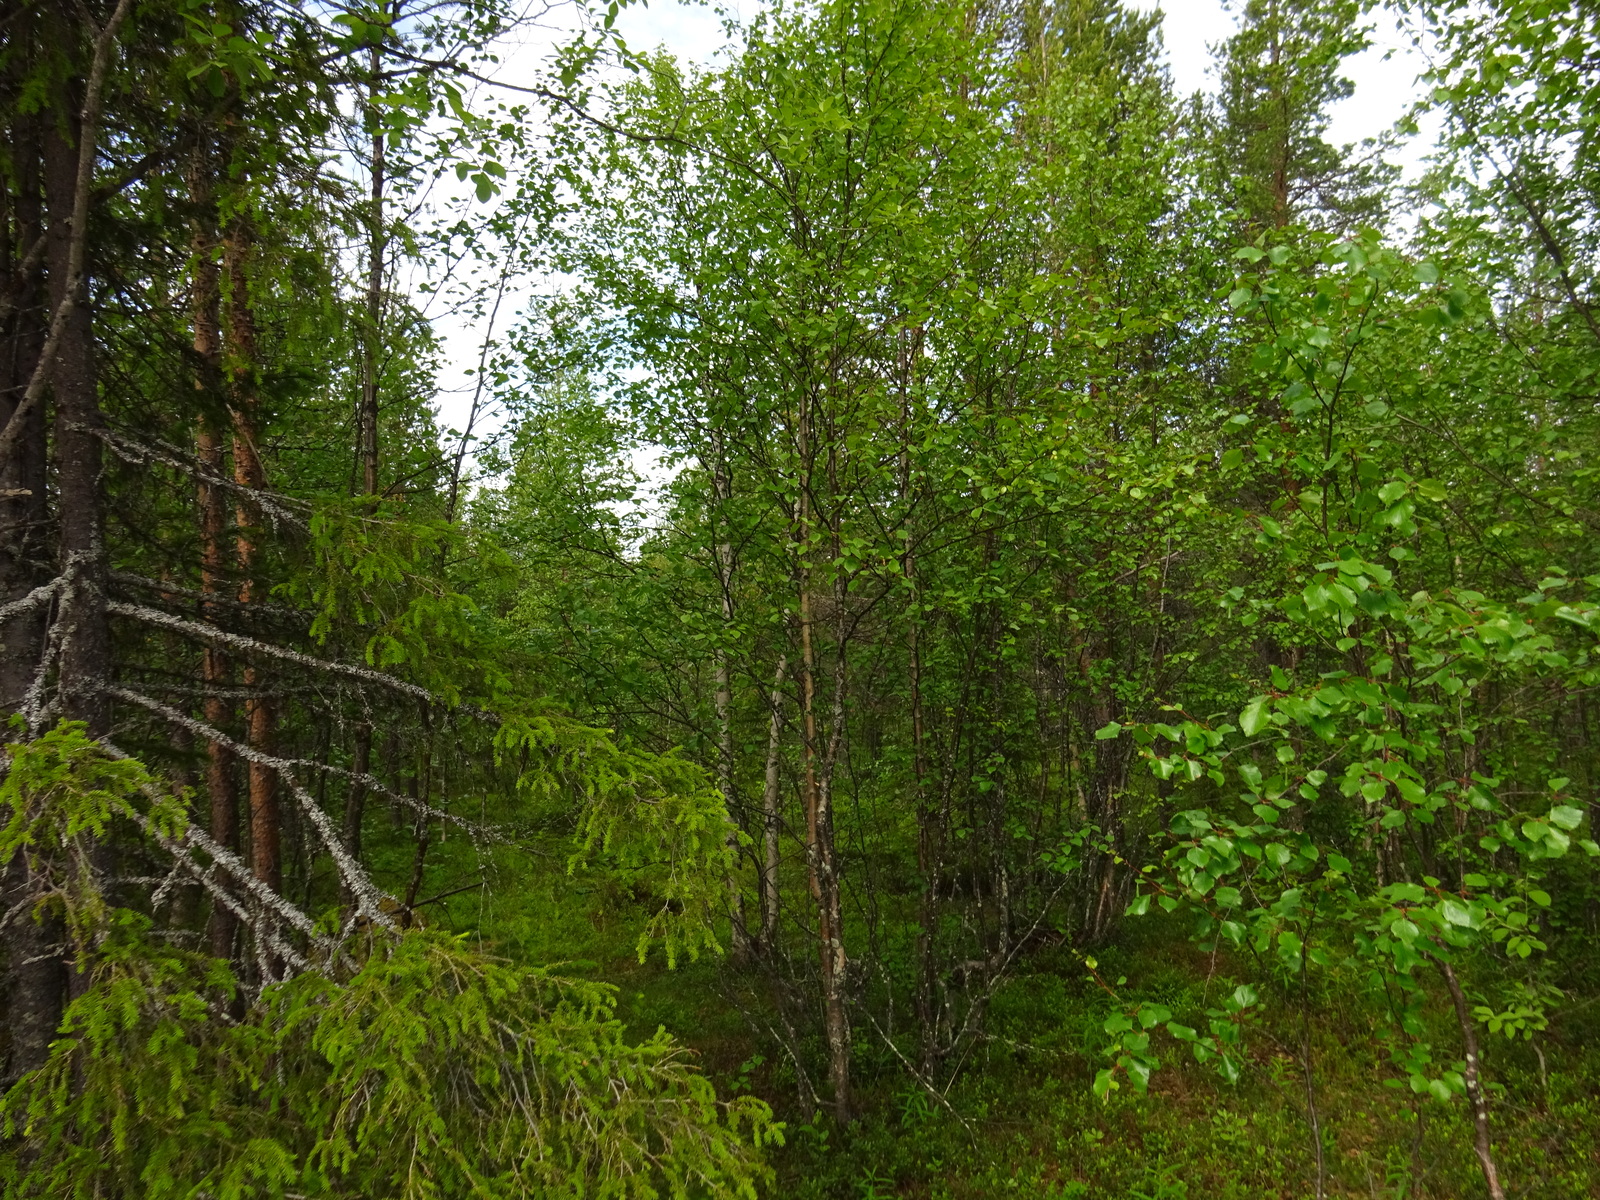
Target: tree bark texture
(65,364)
(821,860)
(1474,1081)
(367,418)
(771,814)
(242,359)
(739,935)
(24,516)
(85,636)
(206,318)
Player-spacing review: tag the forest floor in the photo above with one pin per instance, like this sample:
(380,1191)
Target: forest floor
(1021,1120)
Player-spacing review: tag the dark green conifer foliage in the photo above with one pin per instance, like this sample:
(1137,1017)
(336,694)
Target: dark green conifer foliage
(1277,77)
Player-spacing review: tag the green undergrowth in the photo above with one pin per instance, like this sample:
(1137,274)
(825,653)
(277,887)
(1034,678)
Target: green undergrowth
(1021,1120)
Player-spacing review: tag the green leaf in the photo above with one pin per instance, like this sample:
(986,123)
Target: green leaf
(1254,718)
(1139,1074)
(1566,816)
(1151,1015)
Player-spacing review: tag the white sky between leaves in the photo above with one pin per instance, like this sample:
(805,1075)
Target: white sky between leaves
(1385,76)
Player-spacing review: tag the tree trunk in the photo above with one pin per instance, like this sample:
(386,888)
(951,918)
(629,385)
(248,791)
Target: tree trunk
(1475,1096)
(367,417)
(355,801)
(820,858)
(422,794)
(24,516)
(82,629)
(1280,166)
(928,855)
(205,302)
(831,924)
(36,976)
(770,814)
(65,365)
(85,636)
(738,934)
(266,855)
(1104,880)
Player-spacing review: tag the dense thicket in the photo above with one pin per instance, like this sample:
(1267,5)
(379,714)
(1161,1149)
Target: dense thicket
(1091,526)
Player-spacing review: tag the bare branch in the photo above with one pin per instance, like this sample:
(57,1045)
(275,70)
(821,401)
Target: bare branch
(212,734)
(352,874)
(220,637)
(35,710)
(32,600)
(191,839)
(212,598)
(277,508)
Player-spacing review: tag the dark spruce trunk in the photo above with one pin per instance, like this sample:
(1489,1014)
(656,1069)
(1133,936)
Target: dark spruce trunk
(35,977)
(85,636)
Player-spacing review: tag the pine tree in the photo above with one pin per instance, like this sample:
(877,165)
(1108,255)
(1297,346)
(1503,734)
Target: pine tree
(1279,75)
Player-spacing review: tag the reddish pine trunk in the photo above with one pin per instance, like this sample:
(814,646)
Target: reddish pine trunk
(266,858)
(205,304)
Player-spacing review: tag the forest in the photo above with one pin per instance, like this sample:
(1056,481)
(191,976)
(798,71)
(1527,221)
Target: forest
(979,625)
